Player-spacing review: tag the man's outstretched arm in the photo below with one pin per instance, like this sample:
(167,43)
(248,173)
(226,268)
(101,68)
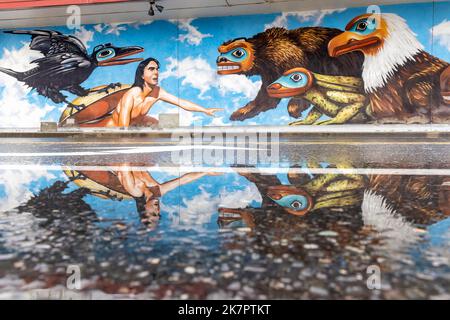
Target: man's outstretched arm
(186,105)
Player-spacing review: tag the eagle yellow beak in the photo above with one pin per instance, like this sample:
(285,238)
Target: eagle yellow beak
(349,42)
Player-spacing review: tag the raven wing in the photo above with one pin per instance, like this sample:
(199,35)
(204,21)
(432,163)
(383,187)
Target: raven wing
(50,42)
(59,68)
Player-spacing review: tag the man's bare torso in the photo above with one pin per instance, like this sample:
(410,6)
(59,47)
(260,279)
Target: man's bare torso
(141,106)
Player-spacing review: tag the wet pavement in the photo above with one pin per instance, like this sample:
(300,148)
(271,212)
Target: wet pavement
(326,219)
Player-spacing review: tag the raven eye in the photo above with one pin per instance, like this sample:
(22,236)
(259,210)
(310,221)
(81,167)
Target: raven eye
(105,53)
(238,53)
(296,77)
(361,26)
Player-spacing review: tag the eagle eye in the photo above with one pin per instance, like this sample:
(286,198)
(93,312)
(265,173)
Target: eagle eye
(361,26)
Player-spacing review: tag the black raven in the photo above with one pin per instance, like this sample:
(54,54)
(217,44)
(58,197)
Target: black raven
(66,63)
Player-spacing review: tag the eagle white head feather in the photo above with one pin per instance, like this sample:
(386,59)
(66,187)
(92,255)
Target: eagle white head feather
(399,47)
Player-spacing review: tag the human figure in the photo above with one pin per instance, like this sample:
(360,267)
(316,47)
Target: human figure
(133,107)
(147,192)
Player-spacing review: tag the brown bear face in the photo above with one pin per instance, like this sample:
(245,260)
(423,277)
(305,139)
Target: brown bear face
(235,57)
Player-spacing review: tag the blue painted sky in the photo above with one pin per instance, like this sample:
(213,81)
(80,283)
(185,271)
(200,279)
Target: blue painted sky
(188,51)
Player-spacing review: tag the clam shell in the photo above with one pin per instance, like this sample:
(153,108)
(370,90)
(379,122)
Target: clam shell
(96,105)
(102,184)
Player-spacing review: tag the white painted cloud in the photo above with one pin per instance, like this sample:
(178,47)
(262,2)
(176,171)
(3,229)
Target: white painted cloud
(111,28)
(99,27)
(86,36)
(198,73)
(192,36)
(442,33)
(18,108)
(238,84)
(280,21)
(201,207)
(218,122)
(118,28)
(315,17)
(195,72)
(139,24)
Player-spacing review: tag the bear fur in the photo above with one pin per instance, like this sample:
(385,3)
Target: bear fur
(278,50)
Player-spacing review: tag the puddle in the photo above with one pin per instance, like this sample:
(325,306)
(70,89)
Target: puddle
(318,224)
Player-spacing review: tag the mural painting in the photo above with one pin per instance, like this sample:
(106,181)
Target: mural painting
(333,67)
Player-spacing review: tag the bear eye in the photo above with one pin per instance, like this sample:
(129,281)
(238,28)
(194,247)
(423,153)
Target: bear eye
(296,77)
(361,26)
(238,53)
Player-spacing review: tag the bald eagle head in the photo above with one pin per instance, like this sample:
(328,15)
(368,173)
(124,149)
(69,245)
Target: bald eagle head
(386,41)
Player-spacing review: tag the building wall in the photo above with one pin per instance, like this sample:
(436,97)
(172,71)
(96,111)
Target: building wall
(407,85)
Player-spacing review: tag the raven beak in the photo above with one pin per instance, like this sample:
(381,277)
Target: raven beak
(121,53)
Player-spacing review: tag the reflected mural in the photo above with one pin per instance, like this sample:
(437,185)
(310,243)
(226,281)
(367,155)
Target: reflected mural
(126,183)
(135,229)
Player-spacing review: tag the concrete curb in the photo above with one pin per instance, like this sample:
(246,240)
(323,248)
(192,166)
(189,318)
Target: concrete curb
(385,129)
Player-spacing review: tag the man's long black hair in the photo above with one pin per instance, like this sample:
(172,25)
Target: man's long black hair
(138,81)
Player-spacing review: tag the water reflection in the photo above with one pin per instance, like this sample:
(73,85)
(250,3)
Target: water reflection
(123,182)
(239,231)
(396,209)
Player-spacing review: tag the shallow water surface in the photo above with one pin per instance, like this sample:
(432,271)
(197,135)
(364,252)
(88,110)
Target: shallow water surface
(339,221)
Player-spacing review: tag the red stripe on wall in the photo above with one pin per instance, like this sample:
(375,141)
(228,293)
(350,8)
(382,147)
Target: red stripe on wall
(22,4)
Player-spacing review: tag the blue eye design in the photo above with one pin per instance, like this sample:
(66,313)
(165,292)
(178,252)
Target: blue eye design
(364,26)
(236,55)
(293,80)
(239,53)
(293,202)
(105,54)
(299,78)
